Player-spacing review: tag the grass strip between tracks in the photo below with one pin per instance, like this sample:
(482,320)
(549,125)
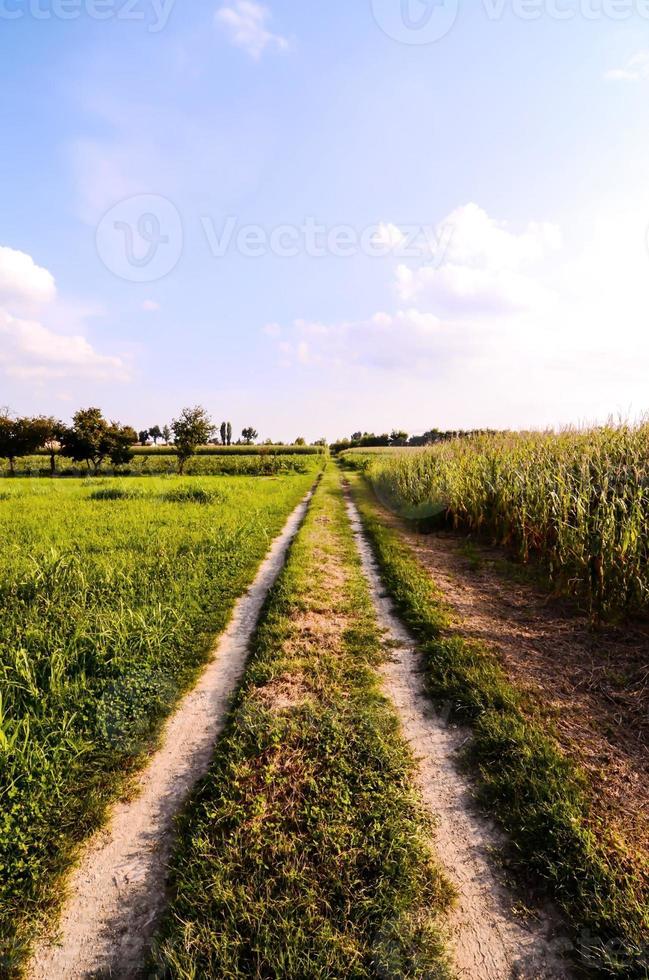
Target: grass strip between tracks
(306,851)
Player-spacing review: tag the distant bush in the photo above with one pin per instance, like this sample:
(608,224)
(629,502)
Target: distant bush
(192,495)
(117,493)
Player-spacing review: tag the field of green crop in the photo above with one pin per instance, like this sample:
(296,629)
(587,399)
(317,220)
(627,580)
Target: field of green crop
(111,594)
(234,461)
(579,501)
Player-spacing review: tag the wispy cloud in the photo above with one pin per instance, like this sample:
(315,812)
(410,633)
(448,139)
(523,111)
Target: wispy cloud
(246,24)
(407,340)
(635,70)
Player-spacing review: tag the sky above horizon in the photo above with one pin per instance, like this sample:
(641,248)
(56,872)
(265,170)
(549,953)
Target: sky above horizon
(317,219)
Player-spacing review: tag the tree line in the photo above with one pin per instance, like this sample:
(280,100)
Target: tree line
(248,435)
(92,439)
(399,438)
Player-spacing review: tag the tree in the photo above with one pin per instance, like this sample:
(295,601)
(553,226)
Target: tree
(155,433)
(91,440)
(224,433)
(18,437)
(399,438)
(249,435)
(300,441)
(47,434)
(228,433)
(192,429)
(122,439)
(143,437)
(166,434)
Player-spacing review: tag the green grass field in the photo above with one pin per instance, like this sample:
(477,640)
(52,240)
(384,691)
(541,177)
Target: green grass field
(306,850)
(111,594)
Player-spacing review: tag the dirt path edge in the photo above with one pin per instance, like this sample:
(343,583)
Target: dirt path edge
(490,942)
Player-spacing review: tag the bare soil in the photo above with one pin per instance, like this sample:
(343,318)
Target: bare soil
(491,939)
(118,891)
(591,681)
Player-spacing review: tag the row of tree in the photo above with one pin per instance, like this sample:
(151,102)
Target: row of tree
(155,433)
(92,439)
(400,438)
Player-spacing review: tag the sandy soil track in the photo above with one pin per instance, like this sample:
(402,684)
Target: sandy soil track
(118,890)
(490,942)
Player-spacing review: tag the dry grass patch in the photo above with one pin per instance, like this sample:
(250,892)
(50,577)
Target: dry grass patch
(283,693)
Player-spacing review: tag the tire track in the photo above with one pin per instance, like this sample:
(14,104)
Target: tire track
(490,943)
(118,891)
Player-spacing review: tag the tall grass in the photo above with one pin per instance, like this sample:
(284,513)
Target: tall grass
(108,605)
(578,500)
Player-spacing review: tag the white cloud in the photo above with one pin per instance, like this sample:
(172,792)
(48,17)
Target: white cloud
(453,359)
(246,24)
(150,306)
(473,238)
(480,266)
(453,307)
(32,349)
(460,290)
(21,280)
(635,70)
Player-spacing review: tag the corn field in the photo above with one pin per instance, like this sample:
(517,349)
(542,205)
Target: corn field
(577,500)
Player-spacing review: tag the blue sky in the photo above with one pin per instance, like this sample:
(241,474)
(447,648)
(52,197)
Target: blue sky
(478,209)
